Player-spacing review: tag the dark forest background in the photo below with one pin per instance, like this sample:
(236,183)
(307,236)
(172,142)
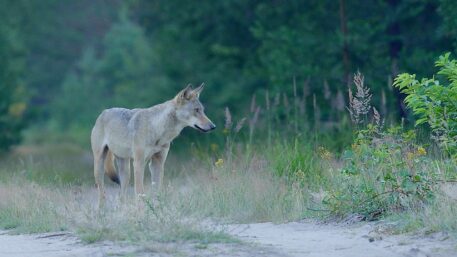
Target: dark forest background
(63,61)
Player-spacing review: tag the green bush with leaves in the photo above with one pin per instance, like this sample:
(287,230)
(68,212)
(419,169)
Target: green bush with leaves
(434,101)
(384,171)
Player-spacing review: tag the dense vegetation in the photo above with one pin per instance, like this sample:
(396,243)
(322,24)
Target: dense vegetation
(387,172)
(303,132)
(64,61)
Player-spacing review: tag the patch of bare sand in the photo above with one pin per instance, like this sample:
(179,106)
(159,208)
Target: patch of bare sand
(311,239)
(308,238)
(68,245)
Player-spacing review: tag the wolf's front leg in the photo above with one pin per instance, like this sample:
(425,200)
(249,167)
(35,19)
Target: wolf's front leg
(138,169)
(156,167)
(123,165)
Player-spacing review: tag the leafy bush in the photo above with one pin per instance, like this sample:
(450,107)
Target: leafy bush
(435,102)
(383,171)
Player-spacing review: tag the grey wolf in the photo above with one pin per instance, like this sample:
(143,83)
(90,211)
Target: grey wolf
(143,136)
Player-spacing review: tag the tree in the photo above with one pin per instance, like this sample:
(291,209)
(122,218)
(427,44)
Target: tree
(127,66)
(82,96)
(12,91)
(121,76)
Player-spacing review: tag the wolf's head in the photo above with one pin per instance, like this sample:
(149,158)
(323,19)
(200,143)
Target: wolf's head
(190,110)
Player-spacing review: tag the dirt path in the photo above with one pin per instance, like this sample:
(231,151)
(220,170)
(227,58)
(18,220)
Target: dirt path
(53,245)
(67,245)
(335,240)
(266,239)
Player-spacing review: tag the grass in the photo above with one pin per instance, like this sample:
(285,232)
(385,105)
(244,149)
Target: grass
(29,207)
(196,202)
(287,181)
(283,173)
(26,207)
(438,216)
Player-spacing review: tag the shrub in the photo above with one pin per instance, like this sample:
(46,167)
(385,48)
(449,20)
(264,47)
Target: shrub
(384,171)
(435,102)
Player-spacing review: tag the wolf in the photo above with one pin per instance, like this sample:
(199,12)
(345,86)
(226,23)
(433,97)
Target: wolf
(143,136)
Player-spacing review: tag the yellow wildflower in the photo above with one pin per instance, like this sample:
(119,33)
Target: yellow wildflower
(410,156)
(219,163)
(421,151)
(324,153)
(214,147)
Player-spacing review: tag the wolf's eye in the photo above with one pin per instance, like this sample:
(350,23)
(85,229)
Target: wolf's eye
(197,110)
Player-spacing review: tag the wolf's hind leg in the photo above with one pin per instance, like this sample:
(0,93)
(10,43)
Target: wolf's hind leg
(99,159)
(123,165)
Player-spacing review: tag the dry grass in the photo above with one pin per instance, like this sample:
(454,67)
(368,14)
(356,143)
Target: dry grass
(268,170)
(436,216)
(29,207)
(192,206)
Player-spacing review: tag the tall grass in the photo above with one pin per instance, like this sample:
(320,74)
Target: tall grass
(199,196)
(272,165)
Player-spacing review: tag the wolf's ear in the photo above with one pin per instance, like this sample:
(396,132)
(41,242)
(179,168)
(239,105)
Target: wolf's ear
(185,94)
(196,92)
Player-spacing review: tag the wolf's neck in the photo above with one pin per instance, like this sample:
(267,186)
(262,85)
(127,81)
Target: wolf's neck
(171,126)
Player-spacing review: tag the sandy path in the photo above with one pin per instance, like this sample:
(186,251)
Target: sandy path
(307,239)
(335,240)
(67,245)
(54,245)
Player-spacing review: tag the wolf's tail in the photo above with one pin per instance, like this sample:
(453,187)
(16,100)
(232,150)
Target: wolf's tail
(110,170)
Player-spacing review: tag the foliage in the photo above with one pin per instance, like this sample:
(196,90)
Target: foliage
(298,163)
(127,66)
(82,94)
(435,102)
(384,171)
(12,89)
(120,76)
(143,52)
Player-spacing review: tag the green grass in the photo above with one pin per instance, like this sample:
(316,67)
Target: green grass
(26,207)
(192,207)
(285,182)
(437,216)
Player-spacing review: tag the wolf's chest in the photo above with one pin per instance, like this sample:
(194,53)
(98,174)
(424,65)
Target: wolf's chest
(159,141)
(156,146)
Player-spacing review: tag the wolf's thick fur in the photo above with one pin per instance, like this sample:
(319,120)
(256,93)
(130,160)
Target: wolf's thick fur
(142,135)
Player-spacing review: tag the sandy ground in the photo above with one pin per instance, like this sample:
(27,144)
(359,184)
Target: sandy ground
(308,239)
(311,239)
(67,245)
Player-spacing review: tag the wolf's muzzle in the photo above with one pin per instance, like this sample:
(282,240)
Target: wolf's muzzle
(211,127)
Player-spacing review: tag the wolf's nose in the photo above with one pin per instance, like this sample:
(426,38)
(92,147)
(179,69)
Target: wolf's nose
(212,127)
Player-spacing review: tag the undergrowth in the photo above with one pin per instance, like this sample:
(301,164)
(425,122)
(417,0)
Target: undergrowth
(266,169)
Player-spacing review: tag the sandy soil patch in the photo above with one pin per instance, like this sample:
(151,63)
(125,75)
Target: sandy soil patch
(295,239)
(68,245)
(311,239)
